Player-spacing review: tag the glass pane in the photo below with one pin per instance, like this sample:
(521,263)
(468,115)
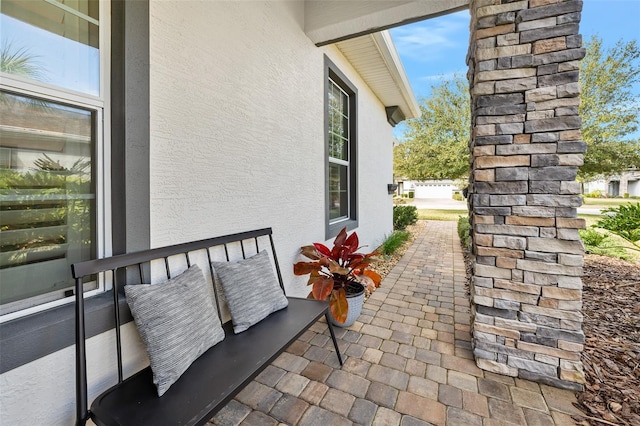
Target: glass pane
(344,127)
(338,147)
(47,43)
(338,191)
(339,100)
(47,197)
(334,97)
(333,149)
(338,124)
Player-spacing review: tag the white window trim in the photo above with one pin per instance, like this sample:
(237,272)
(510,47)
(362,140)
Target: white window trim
(341,162)
(333,76)
(101,104)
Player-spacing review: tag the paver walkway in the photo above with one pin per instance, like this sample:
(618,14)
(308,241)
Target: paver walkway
(408,360)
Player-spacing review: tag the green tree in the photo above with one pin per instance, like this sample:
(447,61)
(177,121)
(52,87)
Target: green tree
(18,61)
(609,109)
(435,145)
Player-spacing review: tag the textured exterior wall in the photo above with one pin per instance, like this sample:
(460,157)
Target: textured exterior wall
(43,392)
(237,128)
(237,134)
(524,59)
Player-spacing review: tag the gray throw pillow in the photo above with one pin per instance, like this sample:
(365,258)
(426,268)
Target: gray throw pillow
(251,289)
(177,322)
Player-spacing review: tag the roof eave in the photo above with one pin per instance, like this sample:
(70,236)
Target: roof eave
(397,73)
(392,87)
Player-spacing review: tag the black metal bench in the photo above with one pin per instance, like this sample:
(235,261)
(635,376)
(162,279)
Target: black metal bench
(214,378)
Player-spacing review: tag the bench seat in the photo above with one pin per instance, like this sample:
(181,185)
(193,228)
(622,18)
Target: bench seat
(213,379)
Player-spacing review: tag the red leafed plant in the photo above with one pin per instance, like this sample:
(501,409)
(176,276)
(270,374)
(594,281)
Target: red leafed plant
(334,272)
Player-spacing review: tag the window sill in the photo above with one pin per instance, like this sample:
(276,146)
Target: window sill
(32,337)
(334,228)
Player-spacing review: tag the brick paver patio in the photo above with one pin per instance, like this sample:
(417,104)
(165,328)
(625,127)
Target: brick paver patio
(408,360)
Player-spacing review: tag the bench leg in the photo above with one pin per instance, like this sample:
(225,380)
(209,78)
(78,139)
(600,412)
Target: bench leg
(333,337)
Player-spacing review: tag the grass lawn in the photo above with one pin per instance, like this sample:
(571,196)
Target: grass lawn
(606,202)
(435,214)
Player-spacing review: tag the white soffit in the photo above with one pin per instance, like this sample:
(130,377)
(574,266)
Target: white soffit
(330,21)
(375,58)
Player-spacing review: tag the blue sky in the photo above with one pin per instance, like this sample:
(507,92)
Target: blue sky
(436,48)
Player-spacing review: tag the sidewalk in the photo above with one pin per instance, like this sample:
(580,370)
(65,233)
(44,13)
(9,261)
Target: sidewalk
(407,361)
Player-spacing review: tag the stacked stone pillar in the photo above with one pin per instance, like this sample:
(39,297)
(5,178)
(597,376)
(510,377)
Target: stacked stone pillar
(526,290)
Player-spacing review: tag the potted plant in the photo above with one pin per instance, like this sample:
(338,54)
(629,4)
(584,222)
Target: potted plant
(340,275)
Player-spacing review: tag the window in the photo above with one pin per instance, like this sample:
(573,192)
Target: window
(341,144)
(52,115)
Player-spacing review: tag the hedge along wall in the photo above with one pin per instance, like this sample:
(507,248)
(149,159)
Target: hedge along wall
(524,58)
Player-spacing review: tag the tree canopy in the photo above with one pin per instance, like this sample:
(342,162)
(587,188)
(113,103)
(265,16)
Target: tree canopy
(436,144)
(609,109)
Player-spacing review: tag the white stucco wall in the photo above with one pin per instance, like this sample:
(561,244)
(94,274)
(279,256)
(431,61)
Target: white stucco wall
(240,143)
(43,392)
(237,134)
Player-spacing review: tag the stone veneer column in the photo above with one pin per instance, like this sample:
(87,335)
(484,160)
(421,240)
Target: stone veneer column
(526,290)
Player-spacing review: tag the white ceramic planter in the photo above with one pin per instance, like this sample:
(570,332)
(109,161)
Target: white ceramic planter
(355,302)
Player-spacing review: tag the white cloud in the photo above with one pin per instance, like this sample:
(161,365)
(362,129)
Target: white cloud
(440,77)
(431,39)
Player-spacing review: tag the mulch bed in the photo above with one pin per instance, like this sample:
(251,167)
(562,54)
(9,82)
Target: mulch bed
(611,358)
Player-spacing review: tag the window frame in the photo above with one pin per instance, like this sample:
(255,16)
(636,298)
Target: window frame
(333,75)
(100,106)
(101,185)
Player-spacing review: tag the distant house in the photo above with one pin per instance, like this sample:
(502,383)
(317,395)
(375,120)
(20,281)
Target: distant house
(624,184)
(428,188)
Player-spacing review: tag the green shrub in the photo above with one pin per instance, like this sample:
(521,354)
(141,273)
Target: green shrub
(398,200)
(464,231)
(623,221)
(394,241)
(457,196)
(598,243)
(591,237)
(626,195)
(404,216)
(411,194)
(595,194)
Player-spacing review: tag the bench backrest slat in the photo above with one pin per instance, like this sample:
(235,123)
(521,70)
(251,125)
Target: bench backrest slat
(141,272)
(277,265)
(167,268)
(116,315)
